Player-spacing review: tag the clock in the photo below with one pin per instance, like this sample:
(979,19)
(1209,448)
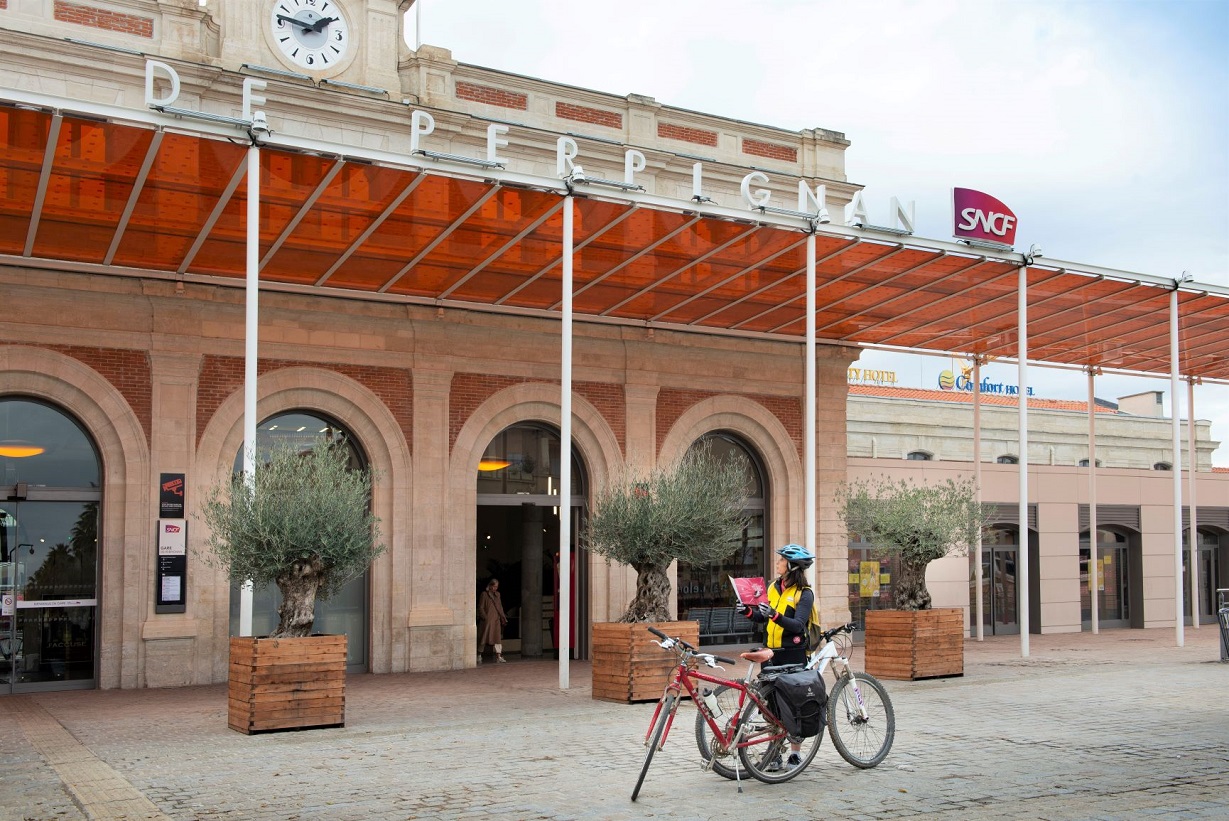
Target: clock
(310,34)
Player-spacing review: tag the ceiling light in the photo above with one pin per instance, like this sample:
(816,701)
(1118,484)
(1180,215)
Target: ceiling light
(18,449)
(488,465)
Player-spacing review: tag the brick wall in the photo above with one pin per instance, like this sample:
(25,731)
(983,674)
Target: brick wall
(671,404)
(770,150)
(699,136)
(221,376)
(103,19)
(469,390)
(584,114)
(128,371)
(491,96)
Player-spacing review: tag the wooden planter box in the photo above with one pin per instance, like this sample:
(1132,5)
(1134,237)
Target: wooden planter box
(910,644)
(628,666)
(284,684)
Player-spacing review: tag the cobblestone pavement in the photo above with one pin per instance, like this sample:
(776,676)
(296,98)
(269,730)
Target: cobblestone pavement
(1120,725)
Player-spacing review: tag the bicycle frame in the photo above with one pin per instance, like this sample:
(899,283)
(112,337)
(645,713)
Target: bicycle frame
(826,655)
(730,736)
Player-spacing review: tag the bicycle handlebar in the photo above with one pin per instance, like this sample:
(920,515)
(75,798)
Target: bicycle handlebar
(664,637)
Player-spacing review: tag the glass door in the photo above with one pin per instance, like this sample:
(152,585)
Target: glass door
(48,576)
(1000,603)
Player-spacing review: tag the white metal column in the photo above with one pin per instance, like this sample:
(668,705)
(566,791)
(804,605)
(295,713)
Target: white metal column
(251,334)
(1192,531)
(977,568)
(808,431)
(565,457)
(1176,425)
(1022,588)
(1094,554)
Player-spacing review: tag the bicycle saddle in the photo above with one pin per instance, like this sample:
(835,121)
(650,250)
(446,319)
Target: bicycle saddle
(757,656)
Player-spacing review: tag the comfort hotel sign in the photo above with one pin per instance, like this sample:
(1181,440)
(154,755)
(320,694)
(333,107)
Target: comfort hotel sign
(162,88)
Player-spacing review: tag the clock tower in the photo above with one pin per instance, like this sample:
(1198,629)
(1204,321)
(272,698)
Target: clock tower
(350,41)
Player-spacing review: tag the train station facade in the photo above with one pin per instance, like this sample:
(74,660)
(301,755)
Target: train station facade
(413,218)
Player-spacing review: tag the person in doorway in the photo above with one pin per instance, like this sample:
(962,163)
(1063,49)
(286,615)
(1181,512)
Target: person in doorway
(786,614)
(491,621)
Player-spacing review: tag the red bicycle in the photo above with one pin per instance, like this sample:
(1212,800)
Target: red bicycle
(740,719)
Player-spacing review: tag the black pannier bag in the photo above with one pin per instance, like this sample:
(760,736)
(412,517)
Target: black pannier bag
(799,700)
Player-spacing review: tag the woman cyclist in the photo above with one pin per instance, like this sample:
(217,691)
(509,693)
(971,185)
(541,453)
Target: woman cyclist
(786,614)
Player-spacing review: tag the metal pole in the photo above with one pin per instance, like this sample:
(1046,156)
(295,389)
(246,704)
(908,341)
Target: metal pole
(251,334)
(565,456)
(1022,560)
(1192,530)
(808,431)
(1094,553)
(1176,425)
(977,569)
(418,25)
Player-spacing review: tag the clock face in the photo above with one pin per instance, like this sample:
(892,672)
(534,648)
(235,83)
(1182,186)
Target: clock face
(311,34)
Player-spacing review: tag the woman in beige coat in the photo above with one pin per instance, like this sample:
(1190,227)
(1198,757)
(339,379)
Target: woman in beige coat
(491,621)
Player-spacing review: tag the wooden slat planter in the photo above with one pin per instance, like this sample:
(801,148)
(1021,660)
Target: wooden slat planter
(284,684)
(910,644)
(628,666)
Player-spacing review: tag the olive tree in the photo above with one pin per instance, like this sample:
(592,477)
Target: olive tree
(305,524)
(691,511)
(920,523)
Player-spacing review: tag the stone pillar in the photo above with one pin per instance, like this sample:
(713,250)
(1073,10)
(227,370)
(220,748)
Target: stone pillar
(429,581)
(531,580)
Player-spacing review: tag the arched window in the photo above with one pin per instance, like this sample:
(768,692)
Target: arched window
(1008,459)
(1084,463)
(49,551)
(704,593)
(1162,466)
(346,611)
(919,456)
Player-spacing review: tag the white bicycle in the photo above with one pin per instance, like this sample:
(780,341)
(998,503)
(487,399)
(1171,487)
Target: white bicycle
(859,713)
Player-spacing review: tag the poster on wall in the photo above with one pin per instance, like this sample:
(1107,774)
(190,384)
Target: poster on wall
(171,496)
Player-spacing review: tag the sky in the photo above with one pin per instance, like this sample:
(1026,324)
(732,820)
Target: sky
(1103,124)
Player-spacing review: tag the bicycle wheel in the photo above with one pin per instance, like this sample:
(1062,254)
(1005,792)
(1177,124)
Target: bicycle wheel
(663,716)
(861,742)
(766,751)
(725,764)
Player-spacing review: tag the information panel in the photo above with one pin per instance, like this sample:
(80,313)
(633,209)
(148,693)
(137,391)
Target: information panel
(170,594)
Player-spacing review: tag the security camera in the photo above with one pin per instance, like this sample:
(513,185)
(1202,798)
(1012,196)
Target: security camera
(823,218)
(1034,251)
(578,174)
(259,123)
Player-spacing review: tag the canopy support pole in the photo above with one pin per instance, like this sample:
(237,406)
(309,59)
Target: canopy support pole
(565,456)
(1022,586)
(1094,553)
(251,335)
(1176,425)
(1192,530)
(808,430)
(977,568)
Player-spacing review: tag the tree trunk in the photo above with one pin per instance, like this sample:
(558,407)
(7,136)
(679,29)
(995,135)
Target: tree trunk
(910,589)
(299,585)
(652,602)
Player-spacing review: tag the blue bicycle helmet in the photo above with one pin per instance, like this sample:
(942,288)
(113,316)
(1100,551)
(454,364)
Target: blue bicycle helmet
(797,554)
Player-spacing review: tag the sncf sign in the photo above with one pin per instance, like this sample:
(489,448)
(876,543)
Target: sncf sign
(982,217)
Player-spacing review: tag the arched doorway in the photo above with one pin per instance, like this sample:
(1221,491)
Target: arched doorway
(518,537)
(704,593)
(49,552)
(347,611)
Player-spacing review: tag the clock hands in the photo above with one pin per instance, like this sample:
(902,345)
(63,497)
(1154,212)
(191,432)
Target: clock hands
(317,27)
